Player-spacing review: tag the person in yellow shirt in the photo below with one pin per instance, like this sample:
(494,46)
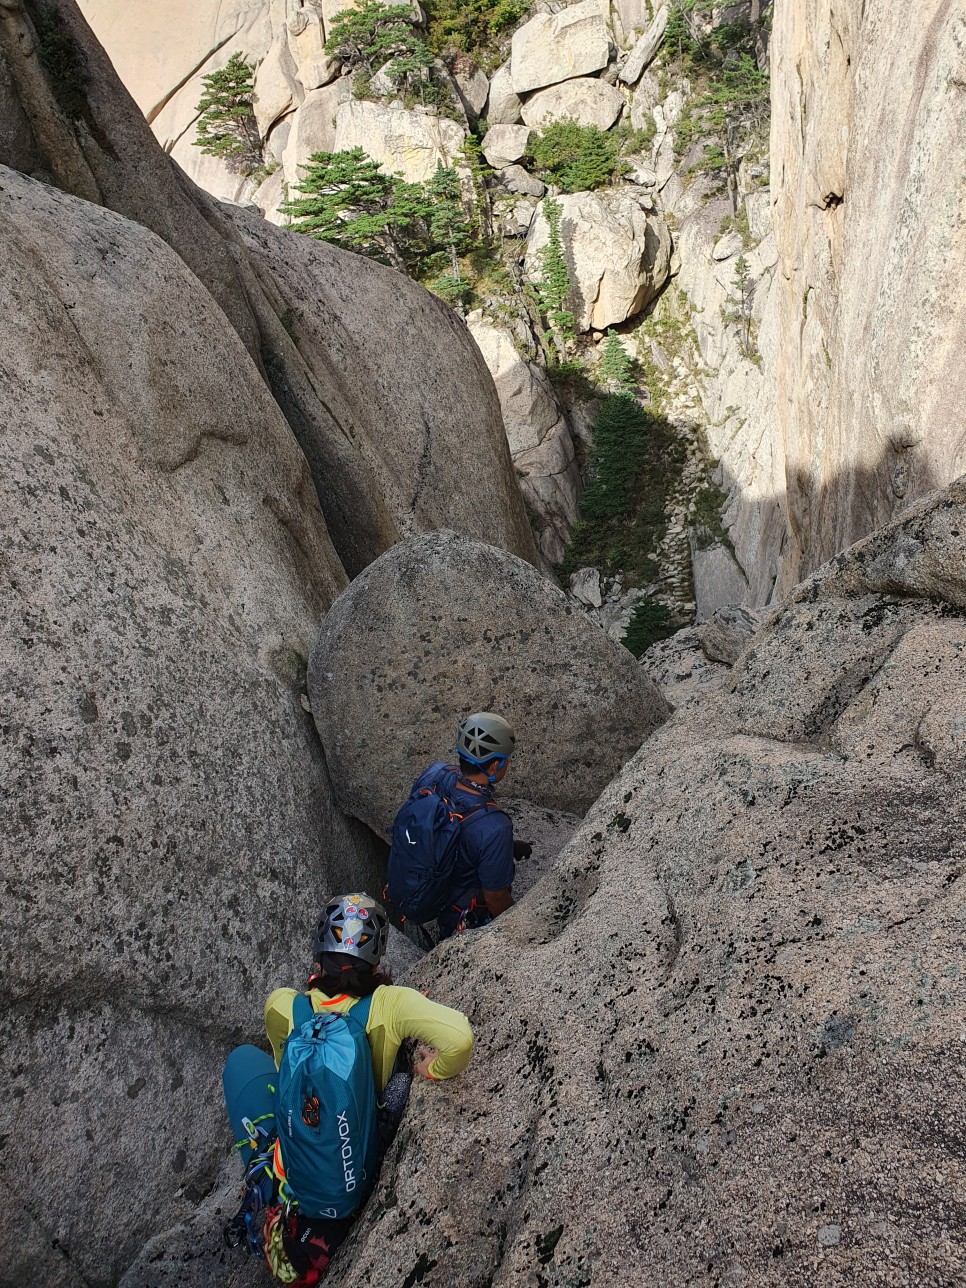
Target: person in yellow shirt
(347,950)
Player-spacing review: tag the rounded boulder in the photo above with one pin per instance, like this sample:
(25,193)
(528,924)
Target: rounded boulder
(442,625)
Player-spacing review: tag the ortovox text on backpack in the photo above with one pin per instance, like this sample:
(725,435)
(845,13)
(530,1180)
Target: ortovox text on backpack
(325,1110)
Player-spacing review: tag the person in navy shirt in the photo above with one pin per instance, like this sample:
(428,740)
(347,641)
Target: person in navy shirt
(486,863)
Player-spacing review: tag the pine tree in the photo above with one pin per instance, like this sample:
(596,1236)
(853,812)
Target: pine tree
(227,126)
(615,366)
(554,287)
(739,307)
(619,447)
(346,200)
(449,228)
(377,35)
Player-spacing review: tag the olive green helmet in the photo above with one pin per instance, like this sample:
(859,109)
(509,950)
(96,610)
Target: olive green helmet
(483,737)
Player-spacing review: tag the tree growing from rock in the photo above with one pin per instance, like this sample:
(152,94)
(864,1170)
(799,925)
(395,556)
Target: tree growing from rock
(737,312)
(615,366)
(378,35)
(418,228)
(227,126)
(577,158)
(554,287)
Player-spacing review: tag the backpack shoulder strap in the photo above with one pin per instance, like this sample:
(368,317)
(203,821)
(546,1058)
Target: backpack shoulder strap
(478,813)
(359,1013)
(302,1010)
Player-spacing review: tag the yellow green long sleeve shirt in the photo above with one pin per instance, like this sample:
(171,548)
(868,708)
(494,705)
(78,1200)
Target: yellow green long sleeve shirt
(396,1014)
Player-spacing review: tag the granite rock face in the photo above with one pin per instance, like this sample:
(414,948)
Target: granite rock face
(869,221)
(584,100)
(441,626)
(167,557)
(412,144)
(363,363)
(539,438)
(164,562)
(619,255)
(505,144)
(503,105)
(729,1024)
(556,47)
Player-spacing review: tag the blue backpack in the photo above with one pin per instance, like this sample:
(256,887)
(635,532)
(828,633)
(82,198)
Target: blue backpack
(425,846)
(325,1111)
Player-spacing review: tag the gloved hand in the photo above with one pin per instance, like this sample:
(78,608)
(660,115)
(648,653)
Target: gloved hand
(522,850)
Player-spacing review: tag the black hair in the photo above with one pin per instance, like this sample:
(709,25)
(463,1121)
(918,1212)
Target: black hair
(470,767)
(343,973)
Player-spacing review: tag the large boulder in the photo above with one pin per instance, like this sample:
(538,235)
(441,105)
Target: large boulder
(440,626)
(584,100)
(729,1024)
(327,329)
(165,562)
(503,104)
(619,255)
(526,396)
(646,48)
(397,370)
(408,143)
(505,144)
(554,47)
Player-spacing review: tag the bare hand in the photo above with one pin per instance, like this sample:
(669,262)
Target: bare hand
(425,1057)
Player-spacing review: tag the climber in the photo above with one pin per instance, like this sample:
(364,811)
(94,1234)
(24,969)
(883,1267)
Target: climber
(477,861)
(347,950)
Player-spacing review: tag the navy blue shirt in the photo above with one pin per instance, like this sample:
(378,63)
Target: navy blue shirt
(485,859)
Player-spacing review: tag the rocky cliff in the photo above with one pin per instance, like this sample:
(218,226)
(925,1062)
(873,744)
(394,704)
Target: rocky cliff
(868,140)
(205,424)
(834,402)
(720,1043)
(720,1040)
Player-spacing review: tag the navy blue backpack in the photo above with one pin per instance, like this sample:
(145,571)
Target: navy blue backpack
(325,1111)
(425,846)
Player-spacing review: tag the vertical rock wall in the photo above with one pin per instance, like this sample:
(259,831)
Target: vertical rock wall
(868,147)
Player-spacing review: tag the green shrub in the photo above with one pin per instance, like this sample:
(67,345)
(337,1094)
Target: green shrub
(577,158)
(471,25)
(650,622)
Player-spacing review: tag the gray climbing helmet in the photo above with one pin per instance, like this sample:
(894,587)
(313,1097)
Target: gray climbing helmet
(353,924)
(483,737)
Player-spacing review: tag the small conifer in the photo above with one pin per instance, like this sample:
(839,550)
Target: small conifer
(227,126)
(554,287)
(615,365)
